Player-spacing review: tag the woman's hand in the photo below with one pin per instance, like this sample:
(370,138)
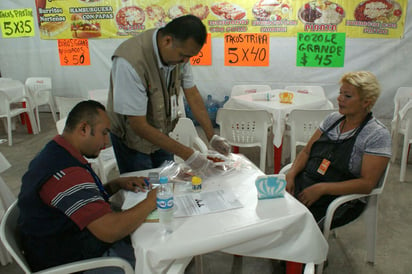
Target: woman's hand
(311,194)
(132,183)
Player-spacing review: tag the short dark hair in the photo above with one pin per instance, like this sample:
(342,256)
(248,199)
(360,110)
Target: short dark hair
(185,27)
(86,110)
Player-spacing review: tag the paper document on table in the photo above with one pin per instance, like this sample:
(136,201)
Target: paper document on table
(133,198)
(205,202)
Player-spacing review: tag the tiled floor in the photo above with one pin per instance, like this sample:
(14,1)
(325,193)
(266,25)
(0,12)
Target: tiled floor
(346,252)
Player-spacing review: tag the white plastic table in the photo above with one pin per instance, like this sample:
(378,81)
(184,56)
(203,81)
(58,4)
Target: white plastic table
(278,110)
(279,228)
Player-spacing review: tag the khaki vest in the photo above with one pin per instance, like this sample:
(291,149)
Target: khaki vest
(139,52)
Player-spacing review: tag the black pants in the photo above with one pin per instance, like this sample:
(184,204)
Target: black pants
(344,214)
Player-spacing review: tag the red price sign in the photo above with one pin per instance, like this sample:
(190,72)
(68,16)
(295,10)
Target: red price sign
(247,49)
(204,57)
(74,52)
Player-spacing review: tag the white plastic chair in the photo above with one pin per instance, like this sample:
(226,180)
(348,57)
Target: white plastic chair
(40,91)
(302,123)
(181,104)
(402,97)
(315,90)
(104,163)
(186,134)
(406,120)
(10,109)
(65,104)
(244,89)
(370,213)
(12,242)
(7,198)
(246,128)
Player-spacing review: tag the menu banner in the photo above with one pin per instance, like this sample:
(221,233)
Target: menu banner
(278,18)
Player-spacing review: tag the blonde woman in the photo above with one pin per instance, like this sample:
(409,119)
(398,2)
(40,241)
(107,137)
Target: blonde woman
(347,154)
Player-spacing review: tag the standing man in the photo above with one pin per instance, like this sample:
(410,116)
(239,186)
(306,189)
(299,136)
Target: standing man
(65,214)
(146,78)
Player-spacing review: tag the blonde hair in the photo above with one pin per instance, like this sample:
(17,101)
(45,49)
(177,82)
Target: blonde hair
(367,84)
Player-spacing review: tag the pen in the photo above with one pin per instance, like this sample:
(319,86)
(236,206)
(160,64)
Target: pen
(146,182)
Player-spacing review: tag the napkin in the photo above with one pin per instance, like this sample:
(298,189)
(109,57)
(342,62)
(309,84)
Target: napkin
(270,186)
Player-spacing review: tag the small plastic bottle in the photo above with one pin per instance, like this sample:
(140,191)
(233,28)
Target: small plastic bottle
(196,184)
(224,101)
(165,203)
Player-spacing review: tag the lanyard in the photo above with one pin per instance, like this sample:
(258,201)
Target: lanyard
(98,183)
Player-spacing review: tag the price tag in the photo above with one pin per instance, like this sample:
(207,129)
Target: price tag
(17,23)
(74,52)
(204,57)
(320,49)
(247,49)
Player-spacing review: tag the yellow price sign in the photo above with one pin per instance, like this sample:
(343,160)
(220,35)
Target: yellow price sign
(74,52)
(17,23)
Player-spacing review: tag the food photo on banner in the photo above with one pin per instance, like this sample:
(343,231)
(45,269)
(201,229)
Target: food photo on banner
(279,18)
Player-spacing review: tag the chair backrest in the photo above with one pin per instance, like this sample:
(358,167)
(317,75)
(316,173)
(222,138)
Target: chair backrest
(10,237)
(65,104)
(314,90)
(244,89)
(244,127)
(382,181)
(303,123)
(408,122)
(40,90)
(181,112)
(402,96)
(186,134)
(38,83)
(60,125)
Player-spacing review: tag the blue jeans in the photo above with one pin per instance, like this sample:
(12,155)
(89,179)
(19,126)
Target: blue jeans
(122,249)
(129,160)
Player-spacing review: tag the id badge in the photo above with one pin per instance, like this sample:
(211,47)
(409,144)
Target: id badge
(323,167)
(173,103)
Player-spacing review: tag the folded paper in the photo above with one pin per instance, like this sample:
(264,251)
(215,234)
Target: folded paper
(270,186)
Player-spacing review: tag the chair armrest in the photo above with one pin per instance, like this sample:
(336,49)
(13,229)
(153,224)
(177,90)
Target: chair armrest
(285,169)
(90,264)
(332,208)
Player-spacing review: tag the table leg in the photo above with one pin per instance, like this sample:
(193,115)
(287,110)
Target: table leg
(294,268)
(277,152)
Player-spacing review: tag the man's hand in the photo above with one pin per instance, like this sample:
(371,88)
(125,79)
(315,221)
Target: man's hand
(201,165)
(220,144)
(132,183)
